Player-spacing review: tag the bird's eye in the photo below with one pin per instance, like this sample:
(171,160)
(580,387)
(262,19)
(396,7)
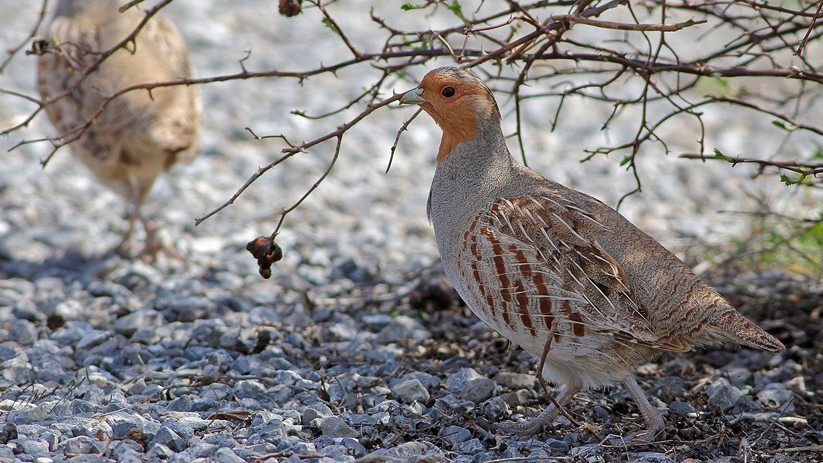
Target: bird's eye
(448,92)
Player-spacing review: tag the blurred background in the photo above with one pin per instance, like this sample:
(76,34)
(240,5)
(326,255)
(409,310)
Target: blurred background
(361,217)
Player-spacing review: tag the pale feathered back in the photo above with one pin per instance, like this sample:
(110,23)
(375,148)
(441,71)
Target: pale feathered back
(138,135)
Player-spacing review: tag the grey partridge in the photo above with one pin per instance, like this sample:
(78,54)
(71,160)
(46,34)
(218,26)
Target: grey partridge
(556,271)
(139,134)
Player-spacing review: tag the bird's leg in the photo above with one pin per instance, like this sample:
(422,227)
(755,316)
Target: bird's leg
(542,380)
(157,242)
(655,424)
(548,415)
(126,241)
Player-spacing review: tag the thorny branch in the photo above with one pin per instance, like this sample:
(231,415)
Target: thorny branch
(659,65)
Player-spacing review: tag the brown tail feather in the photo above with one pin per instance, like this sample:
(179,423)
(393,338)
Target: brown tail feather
(737,328)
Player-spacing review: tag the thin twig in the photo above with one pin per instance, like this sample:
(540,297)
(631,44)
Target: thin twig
(13,51)
(397,138)
(291,151)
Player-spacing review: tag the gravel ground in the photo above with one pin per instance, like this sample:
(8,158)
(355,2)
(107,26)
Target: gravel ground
(356,346)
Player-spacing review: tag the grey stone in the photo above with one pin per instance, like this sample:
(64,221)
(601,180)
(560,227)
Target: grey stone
(335,427)
(600,413)
(722,394)
(83,406)
(18,375)
(201,450)
(118,450)
(651,457)
(410,391)
(335,451)
(180,404)
(220,439)
(538,455)
(737,376)
(33,447)
(158,450)
(314,411)
(91,340)
(451,404)
(137,387)
(288,377)
(139,320)
(515,380)
(455,434)
(280,393)
(377,320)
(745,404)
(681,408)
(168,438)
(23,332)
(471,447)
(26,310)
(470,385)
(71,333)
(776,395)
(51,439)
(428,381)
(354,446)
(179,428)
(557,447)
(403,327)
(121,422)
(415,448)
(272,431)
(227,455)
(247,364)
(249,387)
(81,445)
(494,408)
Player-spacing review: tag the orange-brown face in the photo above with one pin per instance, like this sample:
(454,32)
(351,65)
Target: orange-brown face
(457,100)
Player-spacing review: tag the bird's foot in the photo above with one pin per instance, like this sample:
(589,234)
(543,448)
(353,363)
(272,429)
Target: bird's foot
(655,424)
(652,434)
(158,241)
(532,427)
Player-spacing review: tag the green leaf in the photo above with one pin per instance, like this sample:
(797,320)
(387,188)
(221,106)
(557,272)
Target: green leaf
(785,179)
(408,6)
(782,125)
(457,10)
(626,160)
(722,156)
(327,23)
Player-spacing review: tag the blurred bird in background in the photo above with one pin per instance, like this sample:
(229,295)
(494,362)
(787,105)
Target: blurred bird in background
(140,133)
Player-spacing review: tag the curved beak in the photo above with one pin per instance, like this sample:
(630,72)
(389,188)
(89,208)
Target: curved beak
(413,96)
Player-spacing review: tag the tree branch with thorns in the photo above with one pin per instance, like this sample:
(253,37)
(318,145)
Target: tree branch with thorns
(631,57)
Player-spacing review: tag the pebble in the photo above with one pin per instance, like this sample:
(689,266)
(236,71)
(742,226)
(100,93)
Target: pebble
(723,395)
(411,391)
(516,380)
(468,384)
(681,408)
(334,426)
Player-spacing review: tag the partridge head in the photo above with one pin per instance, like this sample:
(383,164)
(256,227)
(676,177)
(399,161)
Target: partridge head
(555,271)
(139,134)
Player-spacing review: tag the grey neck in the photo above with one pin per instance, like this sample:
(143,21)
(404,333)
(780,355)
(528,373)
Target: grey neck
(472,173)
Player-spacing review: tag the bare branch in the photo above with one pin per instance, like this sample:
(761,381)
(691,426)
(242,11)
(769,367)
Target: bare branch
(570,18)
(294,149)
(33,34)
